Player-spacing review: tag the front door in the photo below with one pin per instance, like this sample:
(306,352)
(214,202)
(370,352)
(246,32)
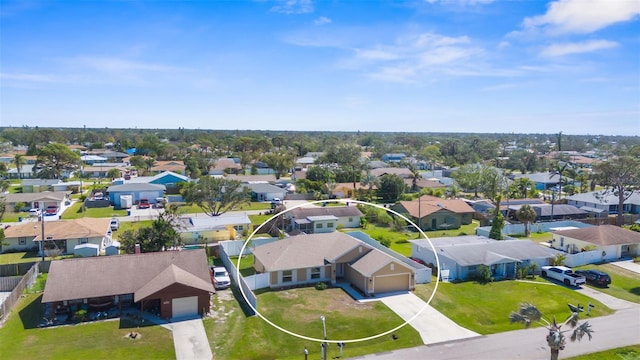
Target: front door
(339,270)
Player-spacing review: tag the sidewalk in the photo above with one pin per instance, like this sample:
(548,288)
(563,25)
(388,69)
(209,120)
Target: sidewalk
(628,264)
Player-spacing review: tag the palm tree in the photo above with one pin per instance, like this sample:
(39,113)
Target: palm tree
(19,160)
(528,314)
(526,215)
(369,181)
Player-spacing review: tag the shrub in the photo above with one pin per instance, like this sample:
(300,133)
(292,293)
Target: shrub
(385,242)
(402,241)
(321,285)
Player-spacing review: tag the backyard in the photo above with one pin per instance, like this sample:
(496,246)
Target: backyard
(299,310)
(21,337)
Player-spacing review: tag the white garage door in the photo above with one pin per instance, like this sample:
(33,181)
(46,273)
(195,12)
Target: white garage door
(186,306)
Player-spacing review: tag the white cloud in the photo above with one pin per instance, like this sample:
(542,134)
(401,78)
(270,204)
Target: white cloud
(582,16)
(293,7)
(562,49)
(38,78)
(322,20)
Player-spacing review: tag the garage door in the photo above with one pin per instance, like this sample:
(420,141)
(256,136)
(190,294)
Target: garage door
(186,306)
(387,283)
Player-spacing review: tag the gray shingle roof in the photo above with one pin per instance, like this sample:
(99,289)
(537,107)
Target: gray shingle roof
(337,211)
(136,187)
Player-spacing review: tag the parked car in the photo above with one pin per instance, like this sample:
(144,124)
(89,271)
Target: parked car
(114,224)
(34,212)
(51,210)
(144,204)
(595,277)
(563,274)
(220,277)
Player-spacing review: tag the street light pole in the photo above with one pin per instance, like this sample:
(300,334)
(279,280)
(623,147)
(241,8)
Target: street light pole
(324,344)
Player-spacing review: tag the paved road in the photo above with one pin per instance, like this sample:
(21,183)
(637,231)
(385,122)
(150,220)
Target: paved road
(612,331)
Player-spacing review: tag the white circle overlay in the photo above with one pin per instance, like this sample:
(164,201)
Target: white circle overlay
(244,246)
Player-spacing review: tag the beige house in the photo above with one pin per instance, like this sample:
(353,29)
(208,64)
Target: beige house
(62,235)
(432,213)
(614,242)
(333,257)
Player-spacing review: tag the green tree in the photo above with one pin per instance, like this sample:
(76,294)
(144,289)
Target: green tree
(556,340)
(161,235)
(496,227)
(216,195)
(113,173)
(18,161)
(469,177)
(279,162)
(391,187)
(54,158)
(526,215)
(621,177)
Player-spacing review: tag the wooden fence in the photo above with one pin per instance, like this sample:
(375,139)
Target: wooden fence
(13,298)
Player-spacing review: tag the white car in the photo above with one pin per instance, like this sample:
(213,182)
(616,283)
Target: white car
(220,278)
(115,224)
(34,212)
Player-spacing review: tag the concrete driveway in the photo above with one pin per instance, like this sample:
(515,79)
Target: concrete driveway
(431,324)
(190,340)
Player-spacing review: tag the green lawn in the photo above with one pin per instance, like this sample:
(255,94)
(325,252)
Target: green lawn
(485,309)
(75,212)
(130,225)
(20,338)
(623,353)
(257,220)
(536,237)
(299,310)
(246,264)
(624,283)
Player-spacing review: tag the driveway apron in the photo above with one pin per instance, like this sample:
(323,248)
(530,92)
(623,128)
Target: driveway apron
(190,340)
(430,323)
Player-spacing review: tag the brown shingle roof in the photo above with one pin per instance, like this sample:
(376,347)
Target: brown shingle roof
(169,276)
(429,205)
(603,235)
(61,230)
(402,172)
(372,262)
(81,278)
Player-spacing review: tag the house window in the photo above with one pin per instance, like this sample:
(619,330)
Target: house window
(330,225)
(391,267)
(350,219)
(318,226)
(562,241)
(22,241)
(239,227)
(83,241)
(315,273)
(287,276)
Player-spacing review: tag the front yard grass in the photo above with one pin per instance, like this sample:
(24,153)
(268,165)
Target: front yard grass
(20,338)
(538,237)
(19,257)
(130,225)
(624,285)
(485,308)
(74,212)
(299,310)
(623,353)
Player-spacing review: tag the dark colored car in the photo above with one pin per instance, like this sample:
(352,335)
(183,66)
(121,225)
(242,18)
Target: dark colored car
(595,277)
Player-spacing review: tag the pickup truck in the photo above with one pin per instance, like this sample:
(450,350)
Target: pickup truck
(564,274)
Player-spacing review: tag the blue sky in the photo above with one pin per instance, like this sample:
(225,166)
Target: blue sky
(410,66)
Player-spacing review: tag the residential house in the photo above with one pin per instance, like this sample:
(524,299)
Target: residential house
(37,200)
(101,170)
(174,284)
(169,179)
(172,166)
(227,166)
(260,168)
(393,157)
(402,172)
(334,257)
(461,256)
(550,212)
(93,159)
(605,202)
(265,192)
(137,191)
(545,180)
(304,162)
(432,213)
(346,190)
(61,235)
(204,229)
(38,185)
(253,179)
(315,219)
(424,184)
(27,171)
(614,242)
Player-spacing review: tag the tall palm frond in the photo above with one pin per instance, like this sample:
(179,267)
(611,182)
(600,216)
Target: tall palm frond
(582,330)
